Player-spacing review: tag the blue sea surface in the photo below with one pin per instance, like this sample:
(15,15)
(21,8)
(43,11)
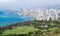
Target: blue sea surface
(11,18)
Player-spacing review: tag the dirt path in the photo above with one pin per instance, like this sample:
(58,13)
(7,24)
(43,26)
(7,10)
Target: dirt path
(59,34)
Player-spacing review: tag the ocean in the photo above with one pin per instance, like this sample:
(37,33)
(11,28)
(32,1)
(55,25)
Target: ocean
(11,18)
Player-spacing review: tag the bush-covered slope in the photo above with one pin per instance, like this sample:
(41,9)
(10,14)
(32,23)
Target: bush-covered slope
(32,28)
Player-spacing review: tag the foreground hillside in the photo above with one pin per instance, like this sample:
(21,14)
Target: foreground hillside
(20,30)
(32,28)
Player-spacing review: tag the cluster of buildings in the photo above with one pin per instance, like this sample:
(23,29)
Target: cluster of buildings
(41,14)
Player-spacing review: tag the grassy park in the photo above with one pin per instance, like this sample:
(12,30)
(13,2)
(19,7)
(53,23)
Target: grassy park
(32,28)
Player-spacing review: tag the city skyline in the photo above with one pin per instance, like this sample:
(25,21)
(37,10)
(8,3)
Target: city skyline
(41,14)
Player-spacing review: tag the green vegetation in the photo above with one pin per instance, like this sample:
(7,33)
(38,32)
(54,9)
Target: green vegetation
(32,28)
(20,30)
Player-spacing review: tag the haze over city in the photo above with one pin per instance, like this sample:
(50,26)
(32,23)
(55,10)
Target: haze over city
(18,4)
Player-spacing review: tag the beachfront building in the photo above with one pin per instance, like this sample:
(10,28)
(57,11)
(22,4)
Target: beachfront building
(41,14)
(53,14)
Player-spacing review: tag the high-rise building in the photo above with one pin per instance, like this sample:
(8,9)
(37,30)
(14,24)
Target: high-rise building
(41,14)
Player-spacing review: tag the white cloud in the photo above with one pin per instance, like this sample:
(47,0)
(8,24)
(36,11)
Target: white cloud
(4,1)
(29,3)
(7,1)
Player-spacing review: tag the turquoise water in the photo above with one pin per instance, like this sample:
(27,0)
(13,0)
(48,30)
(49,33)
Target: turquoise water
(11,18)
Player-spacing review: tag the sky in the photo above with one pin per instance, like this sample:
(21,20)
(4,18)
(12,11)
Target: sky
(17,4)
